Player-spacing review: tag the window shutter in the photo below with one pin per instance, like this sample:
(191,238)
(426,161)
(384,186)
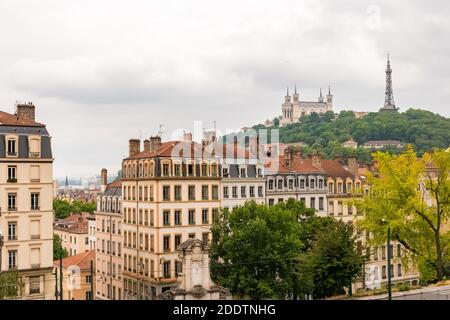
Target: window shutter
(34,173)
(35,258)
(35,229)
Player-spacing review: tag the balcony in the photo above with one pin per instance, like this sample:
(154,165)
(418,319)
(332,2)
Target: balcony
(35,236)
(12,208)
(35,266)
(12,180)
(11,154)
(35,208)
(35,154)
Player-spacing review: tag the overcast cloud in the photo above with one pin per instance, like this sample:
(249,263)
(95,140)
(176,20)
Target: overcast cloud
(101,72)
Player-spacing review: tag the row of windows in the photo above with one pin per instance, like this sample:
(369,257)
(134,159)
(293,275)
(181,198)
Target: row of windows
(106,225)
(105,267)
(243,192)
(110,247)
(170,169)
(340,209)
(290,184)
(312,202)
(34,258)
(12,147)
(13,231)
(104,290)
(146,267)
(109,204)
(13,201)
(242,172)
(341,187)
(146,193)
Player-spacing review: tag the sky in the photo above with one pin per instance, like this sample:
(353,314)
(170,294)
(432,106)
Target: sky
(102,71)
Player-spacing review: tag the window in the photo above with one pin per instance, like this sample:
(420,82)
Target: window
(215,192)
(320,203)
(339,187)
(177,217)
(178,268)
(166,269)
(291,184)
(88,279)
(165,169)
(234,190)
(12,171)
(190,169)
(35,201)
(391,251)
(177,193)
(205,192)
(375,254)
(280,184)
(166,193)
(340,208)
(166,243)
(350,209)
(205,214)
(330,187)
(383,252)
(312,184)
(312,203)
(225,172)
(177,169)
(260,172)
(177,240)
(166,217)
(152,217)
(12,151)
(225,193)
(243,192)
(12,230)
(270,184)
(191,216)
(399,250)
(252,191)
(214,170)
(260,191)
(349,187)
(399,270)
(243,173)
(205,238)
(12,259)
(12,201)
(215,211)
(191,191)
(302,183)
(204,169)
(320,181)
(191,235)
(35,284)
(271,201)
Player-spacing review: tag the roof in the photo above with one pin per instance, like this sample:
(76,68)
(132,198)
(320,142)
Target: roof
(81,260)
(389,142)
(114,188)
(166,149)
(9,119)
(299,165)
(336,170)
(73,224)
(312,104)
(189,243)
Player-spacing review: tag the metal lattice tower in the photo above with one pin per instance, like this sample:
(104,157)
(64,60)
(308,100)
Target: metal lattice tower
(389,103)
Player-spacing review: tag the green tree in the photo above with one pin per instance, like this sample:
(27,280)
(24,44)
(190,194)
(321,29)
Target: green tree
(412,195)
(62,208)
(58,250)
(333,261)
(254,247)
(11,285)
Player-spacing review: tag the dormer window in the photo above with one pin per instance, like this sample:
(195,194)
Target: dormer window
(214,170)
(165,169)
(190,169)
(204,169)
(243,173)
(12,148)
(260,172)
(177,169)
(225,172)
(34,144)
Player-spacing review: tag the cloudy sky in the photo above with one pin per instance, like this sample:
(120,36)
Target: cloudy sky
(102,71)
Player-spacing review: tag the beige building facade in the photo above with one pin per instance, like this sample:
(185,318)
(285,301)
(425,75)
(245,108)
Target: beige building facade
(26,194)
(74,232)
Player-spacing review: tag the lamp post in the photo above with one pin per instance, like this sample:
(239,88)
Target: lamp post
(388,258)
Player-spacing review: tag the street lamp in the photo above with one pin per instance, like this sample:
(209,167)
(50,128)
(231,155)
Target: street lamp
(388,258)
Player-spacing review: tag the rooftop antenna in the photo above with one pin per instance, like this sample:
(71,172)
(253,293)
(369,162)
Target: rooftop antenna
(160,132)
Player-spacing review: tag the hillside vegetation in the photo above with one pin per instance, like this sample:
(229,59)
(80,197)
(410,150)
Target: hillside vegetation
(326,132)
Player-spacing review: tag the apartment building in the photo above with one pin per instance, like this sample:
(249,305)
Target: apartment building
(77,276)
(170,194)
(109,269)
(291,176)
(26,189)
(74,232)
(242,174)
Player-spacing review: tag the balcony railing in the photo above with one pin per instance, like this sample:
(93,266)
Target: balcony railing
(12,208)
(35,154)
(12,154)
(11,180)
(35,208)
(35,236)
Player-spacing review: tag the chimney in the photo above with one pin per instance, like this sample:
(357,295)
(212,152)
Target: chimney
(235,145)
(146,145)
(187,136)
(134,146)
(104,179)
(316,160)
(288,157)
(155,143)
(25,111)
(80,221)
(352,165)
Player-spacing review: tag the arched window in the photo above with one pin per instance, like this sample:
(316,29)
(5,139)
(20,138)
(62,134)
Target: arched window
(302,183)
(320,183)
(270,184)
(280,184)
(312,184)
(291,184)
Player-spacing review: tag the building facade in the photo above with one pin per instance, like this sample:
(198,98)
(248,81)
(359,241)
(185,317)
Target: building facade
(299,179)
(170,194)
(293,109)
(26,194)
(109,251)
(74,232)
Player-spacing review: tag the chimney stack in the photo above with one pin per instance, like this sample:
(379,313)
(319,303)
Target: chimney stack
(316,160)
(352,165)
(25,111)
(155,143)
(288,157)
(104,179)
(146,145)
(134,146)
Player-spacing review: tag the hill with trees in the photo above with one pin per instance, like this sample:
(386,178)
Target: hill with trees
(326,132)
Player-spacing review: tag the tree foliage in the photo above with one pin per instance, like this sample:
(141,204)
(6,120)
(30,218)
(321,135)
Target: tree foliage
(58,250)
(412,195)
(256,251)
(11,285)
(63,208)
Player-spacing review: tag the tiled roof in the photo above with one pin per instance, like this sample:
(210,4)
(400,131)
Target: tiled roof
(335,170)
(12,120)
(299,165)
(72,224)
(82,260)
(166,148)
